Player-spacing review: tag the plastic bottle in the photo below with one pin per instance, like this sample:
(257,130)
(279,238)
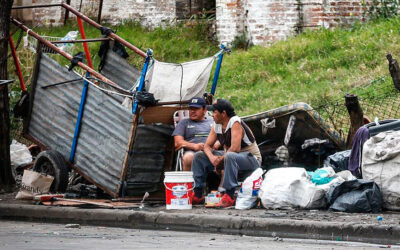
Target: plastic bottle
(72,35)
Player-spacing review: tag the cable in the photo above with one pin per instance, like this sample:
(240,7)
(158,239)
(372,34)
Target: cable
(100,88)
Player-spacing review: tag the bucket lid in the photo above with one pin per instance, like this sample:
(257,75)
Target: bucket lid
(178,173)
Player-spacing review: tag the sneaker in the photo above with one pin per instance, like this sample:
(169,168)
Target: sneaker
(226,201)
(196,200)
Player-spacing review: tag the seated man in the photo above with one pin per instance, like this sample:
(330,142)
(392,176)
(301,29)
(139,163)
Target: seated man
(240,153)
(191,133)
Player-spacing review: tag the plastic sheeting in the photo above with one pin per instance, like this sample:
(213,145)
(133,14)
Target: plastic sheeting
(288,188)
(176,82)
(356,196)
(381,163)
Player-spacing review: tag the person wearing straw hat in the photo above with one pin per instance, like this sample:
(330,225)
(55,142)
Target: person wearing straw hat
(191,133)
(240,153)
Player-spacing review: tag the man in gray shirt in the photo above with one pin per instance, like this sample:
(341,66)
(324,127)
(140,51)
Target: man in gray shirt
(191,133)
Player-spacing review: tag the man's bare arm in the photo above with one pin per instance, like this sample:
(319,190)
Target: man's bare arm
(237,134)
(180,142)
(211,139)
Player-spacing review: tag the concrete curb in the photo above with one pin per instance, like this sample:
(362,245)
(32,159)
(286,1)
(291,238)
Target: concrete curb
(283,228)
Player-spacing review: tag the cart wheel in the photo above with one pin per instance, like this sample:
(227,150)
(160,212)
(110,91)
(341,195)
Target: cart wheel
(52,163)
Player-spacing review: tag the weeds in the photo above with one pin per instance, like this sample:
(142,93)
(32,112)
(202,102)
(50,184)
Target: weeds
(377,9)
(314,67)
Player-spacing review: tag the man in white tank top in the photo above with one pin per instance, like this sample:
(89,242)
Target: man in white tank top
(240,153)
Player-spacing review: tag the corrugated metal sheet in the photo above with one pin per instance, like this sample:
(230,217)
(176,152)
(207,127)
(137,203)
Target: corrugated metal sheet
(104,131)
(147,158)
(120,71)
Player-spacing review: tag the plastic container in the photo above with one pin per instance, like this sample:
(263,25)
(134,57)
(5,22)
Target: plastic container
(213,198)
(178,189)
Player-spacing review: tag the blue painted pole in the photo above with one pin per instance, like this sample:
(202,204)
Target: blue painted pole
(142,78)
(79,119)
(216,75)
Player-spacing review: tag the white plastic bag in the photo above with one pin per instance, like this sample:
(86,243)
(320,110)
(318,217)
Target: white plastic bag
(19,154)
(248,194)
(289,187)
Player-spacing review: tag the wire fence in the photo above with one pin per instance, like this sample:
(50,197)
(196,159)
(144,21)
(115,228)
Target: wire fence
(381,101)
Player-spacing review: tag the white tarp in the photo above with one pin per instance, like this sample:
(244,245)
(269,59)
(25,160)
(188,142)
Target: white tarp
(176,82)
(381,163)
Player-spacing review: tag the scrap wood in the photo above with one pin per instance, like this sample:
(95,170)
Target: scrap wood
(56,200)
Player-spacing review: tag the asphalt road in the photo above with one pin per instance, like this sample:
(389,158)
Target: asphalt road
(27,235)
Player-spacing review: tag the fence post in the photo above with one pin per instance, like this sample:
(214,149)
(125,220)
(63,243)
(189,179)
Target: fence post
(356,117)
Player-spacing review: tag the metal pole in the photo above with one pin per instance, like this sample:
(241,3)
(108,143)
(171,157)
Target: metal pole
(79,119)
(66,13)
(216,75)
(100,9)
(89,21)
(98,26)
(142,78)
(69,57)
(36,6)
(85,46)
(17,64)
(82,41)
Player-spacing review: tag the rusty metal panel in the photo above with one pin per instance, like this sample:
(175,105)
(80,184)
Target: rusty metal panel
(55,108)
(104,130)
(118,70)
(103,139)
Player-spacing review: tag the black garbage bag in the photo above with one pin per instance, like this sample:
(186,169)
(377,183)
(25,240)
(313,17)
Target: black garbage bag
(145,98)
(21,108)
(356,196)
(338,161)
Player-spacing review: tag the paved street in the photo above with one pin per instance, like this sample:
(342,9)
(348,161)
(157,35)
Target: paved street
(27,235)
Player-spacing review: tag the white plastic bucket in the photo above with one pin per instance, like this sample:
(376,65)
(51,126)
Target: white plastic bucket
(179,189)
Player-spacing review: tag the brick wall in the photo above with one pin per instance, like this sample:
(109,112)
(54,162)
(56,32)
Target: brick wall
(262,21)
(230,19)
(266,21)
(186,8)
(149,13)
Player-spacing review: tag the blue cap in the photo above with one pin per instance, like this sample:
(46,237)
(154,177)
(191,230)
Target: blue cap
(197,102)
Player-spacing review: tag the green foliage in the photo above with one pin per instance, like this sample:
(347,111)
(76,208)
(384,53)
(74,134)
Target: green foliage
(313,67)
(381,8)
(241,42)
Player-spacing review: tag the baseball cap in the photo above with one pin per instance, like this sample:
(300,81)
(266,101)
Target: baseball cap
(197,102)
(221,105)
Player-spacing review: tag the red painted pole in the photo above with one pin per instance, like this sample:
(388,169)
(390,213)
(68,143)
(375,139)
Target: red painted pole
(68,56)
(85,46)
(17,64)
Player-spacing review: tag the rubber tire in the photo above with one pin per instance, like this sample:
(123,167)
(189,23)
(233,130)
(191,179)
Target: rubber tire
(384,125)
(52,163)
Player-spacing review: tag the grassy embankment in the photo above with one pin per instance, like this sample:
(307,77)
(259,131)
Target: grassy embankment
(314,67)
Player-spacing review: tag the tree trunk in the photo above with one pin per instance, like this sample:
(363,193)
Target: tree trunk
(6,178)
(356,117)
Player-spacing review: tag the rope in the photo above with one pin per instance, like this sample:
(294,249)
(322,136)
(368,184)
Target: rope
(180,89)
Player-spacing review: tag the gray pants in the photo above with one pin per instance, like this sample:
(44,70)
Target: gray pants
(233,163)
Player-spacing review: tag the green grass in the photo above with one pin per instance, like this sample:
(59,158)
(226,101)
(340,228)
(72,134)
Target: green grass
(313,67)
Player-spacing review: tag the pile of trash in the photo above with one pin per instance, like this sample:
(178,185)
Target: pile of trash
(365,179)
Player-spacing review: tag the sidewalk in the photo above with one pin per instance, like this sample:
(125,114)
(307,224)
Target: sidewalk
(308,224)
